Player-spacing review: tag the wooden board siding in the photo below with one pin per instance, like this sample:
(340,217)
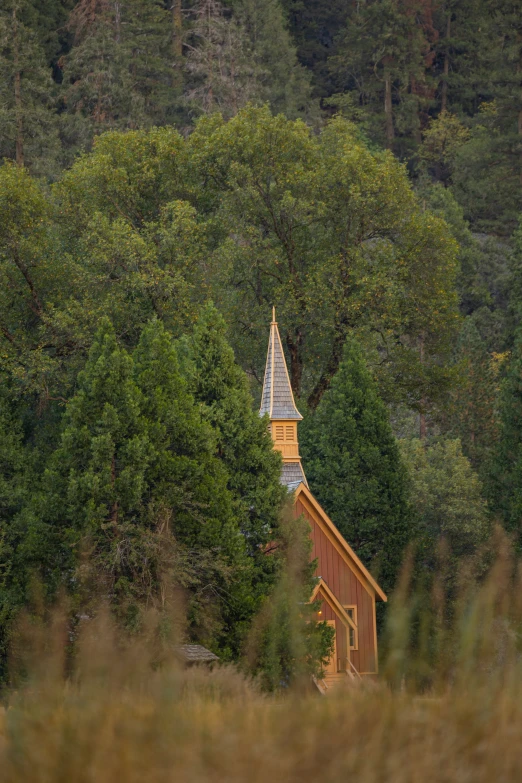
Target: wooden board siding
(349,589)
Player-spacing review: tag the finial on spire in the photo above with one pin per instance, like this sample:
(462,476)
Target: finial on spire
(277,399)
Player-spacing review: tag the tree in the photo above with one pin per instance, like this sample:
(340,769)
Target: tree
(94,486)
(285,84)
(332,234)
(15,480)
(119,72)
(136,491)
(188,489)
(224,75)
(504,485)
(245,56)
(382,55)
(314,27)
(28,123)
(34,280)
(354,468)
(446,495)
(472,410)
(286,644)
(243,440)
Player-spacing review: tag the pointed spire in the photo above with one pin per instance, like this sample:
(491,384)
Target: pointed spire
(277,399)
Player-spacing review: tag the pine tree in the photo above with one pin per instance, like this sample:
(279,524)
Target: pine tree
(222,73)
(188,493)
(136,484)
(381,55)
(243,440)
(28,123)
(95,485)
(353,465)
(314,27)
(244,447)
(285,83)
(245,57)
(119,73)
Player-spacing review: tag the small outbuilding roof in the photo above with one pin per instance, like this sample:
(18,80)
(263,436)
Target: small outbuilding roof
(196,653)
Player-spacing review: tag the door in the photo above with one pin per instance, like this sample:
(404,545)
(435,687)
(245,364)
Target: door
(331,666)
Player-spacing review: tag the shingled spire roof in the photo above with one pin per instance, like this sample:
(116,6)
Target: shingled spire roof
(277,399)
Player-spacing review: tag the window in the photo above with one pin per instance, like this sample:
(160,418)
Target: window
(351,611)
(289,432)
(279,432)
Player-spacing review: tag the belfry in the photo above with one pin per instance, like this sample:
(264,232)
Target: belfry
(278,402)
(345,590)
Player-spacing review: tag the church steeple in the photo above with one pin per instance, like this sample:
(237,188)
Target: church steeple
(278,401)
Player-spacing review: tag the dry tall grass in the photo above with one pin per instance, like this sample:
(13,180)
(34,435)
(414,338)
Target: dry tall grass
(129,713)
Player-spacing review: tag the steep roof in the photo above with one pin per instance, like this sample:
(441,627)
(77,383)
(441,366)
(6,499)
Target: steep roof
(292,475)
(278,398)
(342,546)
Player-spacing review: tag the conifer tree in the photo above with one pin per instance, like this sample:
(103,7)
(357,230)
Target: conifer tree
(353,466)
(244,444)
(188,494)
(381,56)
(285,84)
(28,123)
(245,57)
(136,483)
(95,485)
(119,72)
(222,73)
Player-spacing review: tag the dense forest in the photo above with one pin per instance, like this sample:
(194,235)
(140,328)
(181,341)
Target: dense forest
(171,171)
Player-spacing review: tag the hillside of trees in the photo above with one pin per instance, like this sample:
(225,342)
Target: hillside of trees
(171,171)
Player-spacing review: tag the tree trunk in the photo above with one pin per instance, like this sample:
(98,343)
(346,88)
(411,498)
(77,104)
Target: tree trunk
(177,29)
(117,23)
(388,110)
(444,95)
(423,427)
(296,362)
(520,136)
(19,150)
(331,367)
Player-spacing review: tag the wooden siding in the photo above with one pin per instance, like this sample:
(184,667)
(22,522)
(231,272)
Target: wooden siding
(349,590)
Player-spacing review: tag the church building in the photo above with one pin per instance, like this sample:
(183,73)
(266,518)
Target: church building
(345,591)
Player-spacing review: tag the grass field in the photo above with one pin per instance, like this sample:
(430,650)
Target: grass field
(448,708)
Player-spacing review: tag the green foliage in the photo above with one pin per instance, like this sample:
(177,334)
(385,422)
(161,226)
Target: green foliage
(246,57)
(332,234)
(15,478)
(472,410)
(353,465)
(136,485)
(95,483)
(118,74)
(28,119)
(243,438)
(446,496)
(286,643)
(380,55)
(504,486)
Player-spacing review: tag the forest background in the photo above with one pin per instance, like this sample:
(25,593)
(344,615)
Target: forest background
(171,171)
